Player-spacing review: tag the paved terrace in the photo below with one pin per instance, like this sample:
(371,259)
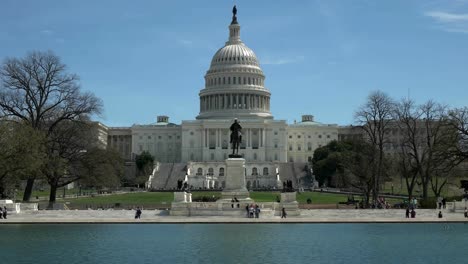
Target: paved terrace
(161,216)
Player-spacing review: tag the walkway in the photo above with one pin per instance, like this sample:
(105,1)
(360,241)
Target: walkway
(161,216)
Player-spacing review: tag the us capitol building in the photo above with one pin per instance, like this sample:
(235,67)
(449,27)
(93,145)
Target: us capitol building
(195,150)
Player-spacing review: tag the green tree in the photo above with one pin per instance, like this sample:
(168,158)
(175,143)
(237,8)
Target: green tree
(101,168)
(144,163)
(327,162)
(21,153)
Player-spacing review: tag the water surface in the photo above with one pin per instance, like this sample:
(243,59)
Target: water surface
(234,243)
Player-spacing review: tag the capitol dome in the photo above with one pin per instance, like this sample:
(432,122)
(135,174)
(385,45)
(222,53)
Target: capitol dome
(234,83)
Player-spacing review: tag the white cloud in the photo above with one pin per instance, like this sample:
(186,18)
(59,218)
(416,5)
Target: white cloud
(447,17)
(281,61)
(450,21)
(47,32)
(185,42)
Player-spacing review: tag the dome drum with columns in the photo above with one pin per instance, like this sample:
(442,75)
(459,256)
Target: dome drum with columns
(234,84)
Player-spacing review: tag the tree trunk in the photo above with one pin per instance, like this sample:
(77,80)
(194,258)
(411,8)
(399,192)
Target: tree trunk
(52,195)
(2,191)
(28,190)
(425,187)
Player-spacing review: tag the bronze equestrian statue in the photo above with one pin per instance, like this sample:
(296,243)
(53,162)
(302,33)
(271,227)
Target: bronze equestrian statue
(236,138)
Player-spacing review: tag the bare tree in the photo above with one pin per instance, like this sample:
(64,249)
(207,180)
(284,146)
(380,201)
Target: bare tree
(459,122)
(375,117)
(38,90)
(426,142)
(360,166)
(438,141)
(67,146)
(407,119)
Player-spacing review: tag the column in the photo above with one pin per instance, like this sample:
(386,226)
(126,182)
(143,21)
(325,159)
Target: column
(248,101)
(230,101)
(260,139)
(203,138)
(263,137)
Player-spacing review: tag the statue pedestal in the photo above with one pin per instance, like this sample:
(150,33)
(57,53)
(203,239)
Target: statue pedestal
(235,181)
(290,204)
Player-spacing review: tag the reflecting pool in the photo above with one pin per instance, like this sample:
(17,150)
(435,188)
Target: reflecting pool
(234,243)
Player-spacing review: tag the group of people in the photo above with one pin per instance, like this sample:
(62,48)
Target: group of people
(3,212)
(288,186)
(411,213)
(441,202)
(253,211)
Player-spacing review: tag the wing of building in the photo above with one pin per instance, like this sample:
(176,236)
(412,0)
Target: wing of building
(196,149)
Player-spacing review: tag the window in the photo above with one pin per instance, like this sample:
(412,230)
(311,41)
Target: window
(149,137)
(298,136)
(328,136)
(308,136)
(299,148)
(276,156)
(221,171)
(309,146)
(255,156)
(276,133)
(199,171)
(265,171)
(290,136)
(276,145)
(141,137)
(159,137)
(210,171)
(290,147)
(320,136)
(170,137)
(212,156)
(254,171)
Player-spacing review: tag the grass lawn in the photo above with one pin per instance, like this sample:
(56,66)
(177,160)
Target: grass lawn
(165,198)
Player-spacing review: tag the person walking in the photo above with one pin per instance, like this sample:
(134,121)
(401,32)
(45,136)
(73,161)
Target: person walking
(4,212)
(413,213)
(466,212)
(440,214)
(444,202)
(257,211)
(283,213)
(407,212)
(138,213)
(1,213)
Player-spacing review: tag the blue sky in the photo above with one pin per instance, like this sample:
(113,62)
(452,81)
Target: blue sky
(320,57)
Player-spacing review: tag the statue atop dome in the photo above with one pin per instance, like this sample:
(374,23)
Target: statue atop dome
(234,15)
